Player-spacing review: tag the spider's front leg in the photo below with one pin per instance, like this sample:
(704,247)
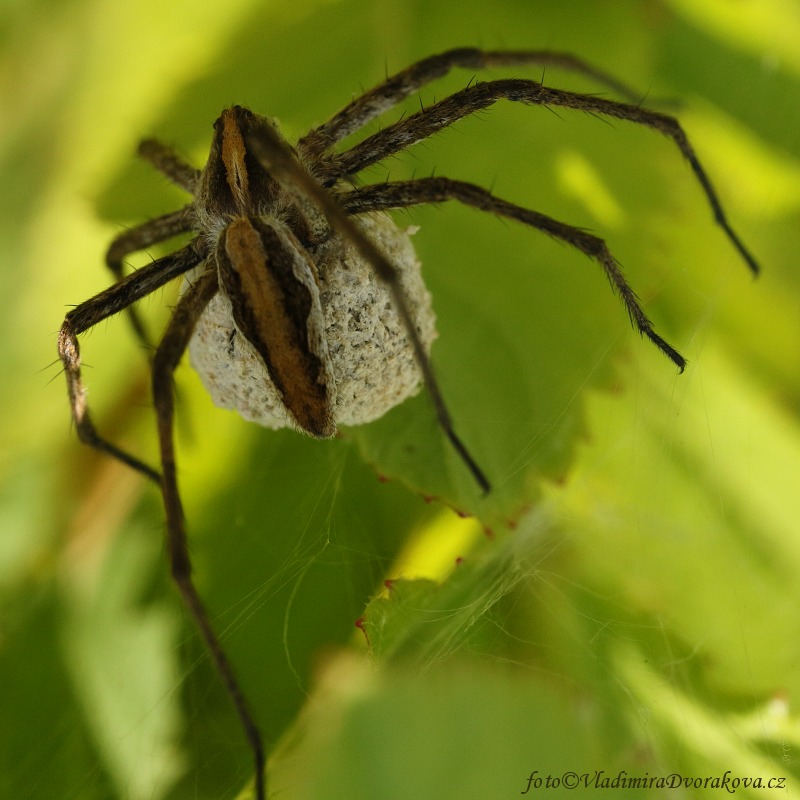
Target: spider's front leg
(167,357)
(138,238)
(86,315)
(403,84)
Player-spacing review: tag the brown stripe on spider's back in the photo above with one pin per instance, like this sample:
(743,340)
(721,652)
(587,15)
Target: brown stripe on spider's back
(234,182)
(271,284)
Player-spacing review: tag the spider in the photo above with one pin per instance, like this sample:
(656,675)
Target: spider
(302,304)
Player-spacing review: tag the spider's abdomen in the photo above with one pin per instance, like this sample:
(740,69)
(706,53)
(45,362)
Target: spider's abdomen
(272,287)
(366,351)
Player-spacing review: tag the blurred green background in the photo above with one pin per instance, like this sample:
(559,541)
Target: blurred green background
(636,604)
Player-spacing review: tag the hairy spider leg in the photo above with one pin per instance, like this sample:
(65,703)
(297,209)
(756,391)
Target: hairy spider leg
(401,194)
(138,238)
(167,357)
(83,317)
(169,163)
(403,84)
(184,175)
(86,315)
(431,120)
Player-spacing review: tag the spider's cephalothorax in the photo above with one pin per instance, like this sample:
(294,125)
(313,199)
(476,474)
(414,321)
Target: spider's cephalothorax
(303,304)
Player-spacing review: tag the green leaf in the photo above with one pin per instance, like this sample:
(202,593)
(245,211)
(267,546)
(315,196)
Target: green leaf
(468,733)
(641,573)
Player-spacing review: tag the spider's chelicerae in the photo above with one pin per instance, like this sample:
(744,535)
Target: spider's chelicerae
(303,306)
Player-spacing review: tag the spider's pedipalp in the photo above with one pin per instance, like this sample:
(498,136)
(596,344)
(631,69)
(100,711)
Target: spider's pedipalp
(434,118)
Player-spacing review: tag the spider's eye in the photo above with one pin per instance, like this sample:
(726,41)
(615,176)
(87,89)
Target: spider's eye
(246,116)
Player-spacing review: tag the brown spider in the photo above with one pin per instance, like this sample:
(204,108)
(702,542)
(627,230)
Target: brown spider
(275,226)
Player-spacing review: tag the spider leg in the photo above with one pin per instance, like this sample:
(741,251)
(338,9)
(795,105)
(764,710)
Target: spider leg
(169,163)
(273,151)
(401,194)
(86,315)
(168,355)
(398,87)
(140,237)
(429,121)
